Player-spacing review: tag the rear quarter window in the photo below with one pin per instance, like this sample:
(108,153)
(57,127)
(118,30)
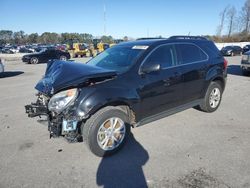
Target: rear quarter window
(210,48)
(189,53)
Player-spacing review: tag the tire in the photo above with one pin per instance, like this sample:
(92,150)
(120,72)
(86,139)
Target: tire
(100,121)
(34,60)
(209,103)
(63,58)
(245,72)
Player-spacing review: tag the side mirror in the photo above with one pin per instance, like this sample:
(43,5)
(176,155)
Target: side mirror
(148,68)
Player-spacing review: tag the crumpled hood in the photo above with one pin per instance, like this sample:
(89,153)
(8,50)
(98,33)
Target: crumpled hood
(61,75)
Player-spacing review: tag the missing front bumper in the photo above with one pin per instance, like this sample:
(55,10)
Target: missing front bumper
(57,124)
(34,110)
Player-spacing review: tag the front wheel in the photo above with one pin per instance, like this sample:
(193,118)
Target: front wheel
(212,98)
(106,131)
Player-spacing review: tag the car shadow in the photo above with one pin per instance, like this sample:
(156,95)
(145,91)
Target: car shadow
(124,169)
(10,74)
(234,70)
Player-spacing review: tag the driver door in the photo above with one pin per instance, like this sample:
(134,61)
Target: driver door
(49,54)
(163,89)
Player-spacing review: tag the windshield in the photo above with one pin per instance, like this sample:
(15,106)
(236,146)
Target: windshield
(117,58)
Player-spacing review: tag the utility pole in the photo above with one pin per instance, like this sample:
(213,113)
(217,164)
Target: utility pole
(104,17)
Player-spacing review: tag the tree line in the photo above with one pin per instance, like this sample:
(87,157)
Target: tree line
(234,24)
(20,38)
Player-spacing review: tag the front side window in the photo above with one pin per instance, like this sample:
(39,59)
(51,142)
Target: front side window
(163,55)
(189,53)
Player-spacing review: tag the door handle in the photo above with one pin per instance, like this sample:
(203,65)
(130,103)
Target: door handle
(172,79)
(167,82)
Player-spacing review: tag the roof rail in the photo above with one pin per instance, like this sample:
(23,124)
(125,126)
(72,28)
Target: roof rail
(148,38)
(187,37)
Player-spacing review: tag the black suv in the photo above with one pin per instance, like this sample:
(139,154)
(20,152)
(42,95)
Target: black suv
(130,84)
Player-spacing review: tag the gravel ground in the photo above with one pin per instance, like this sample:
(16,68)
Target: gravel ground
(189,149)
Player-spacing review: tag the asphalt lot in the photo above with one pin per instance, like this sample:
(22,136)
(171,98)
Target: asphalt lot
(190,149)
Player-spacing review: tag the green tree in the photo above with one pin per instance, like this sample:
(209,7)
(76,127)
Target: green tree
(6,36)
(86,38)
(32,38)
(19,37)
(107,39)
(49,38)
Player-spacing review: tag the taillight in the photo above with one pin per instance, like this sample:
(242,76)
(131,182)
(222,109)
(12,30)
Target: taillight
(225,63)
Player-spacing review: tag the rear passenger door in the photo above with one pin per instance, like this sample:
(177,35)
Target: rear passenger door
(161,90)
(192,61)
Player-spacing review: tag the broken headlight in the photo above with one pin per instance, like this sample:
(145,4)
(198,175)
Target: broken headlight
(62,100)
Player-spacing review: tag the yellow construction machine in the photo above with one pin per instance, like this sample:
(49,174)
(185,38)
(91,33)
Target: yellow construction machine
(77,49)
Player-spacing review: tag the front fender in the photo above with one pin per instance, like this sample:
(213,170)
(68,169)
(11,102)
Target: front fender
(98,98)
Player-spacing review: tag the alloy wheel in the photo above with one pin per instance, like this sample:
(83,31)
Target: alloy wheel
(214,99)
(111,133)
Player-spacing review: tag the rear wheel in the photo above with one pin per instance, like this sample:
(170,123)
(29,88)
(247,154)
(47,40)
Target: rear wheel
(245,72)
(106,131)
(34,60)
(212,98)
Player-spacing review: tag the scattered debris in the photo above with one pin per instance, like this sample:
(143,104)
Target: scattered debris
(196,179)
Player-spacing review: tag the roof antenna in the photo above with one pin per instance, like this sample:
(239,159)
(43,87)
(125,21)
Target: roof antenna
(189,33)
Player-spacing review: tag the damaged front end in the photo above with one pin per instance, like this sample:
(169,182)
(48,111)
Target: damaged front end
(58,112)
(60,95)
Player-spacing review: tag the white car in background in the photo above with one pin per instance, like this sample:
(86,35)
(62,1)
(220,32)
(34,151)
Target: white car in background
(14,50)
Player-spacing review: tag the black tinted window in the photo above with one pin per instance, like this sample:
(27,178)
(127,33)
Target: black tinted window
(163,55)
(188,53)
(237,47)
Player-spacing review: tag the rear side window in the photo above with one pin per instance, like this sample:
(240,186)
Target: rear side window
(189,53)
(164,55)
(237,47)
